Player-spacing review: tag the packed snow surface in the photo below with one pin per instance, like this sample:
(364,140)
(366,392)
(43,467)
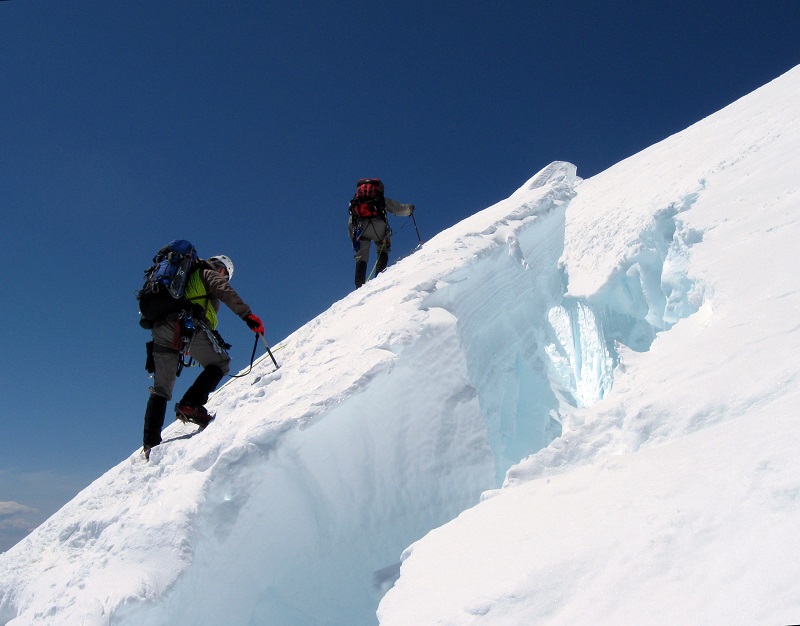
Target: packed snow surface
(576,406)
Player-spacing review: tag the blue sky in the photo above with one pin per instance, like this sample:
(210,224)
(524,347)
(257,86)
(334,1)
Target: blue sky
(243,126)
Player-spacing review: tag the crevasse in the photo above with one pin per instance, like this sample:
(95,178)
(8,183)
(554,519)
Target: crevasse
(535,353)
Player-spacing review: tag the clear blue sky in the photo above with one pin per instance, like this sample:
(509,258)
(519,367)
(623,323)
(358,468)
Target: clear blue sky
(243,126)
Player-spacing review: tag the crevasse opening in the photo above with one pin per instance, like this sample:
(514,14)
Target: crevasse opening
(534,352)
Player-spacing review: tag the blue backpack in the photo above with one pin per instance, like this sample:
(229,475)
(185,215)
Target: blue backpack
(165,281)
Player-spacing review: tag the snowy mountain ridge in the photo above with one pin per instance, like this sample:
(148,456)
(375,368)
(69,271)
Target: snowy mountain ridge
(588,344)
(134,535)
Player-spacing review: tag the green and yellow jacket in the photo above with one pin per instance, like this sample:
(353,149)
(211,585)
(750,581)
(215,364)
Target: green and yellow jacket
(206,288)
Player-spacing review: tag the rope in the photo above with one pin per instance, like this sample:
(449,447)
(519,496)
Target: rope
(374,267)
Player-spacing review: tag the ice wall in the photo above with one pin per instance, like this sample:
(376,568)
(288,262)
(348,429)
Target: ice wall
(321,519)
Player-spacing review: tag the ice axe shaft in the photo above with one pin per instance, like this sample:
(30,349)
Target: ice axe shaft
(269,352)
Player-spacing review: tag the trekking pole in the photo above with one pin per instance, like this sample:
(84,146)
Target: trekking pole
(414,219)
(269,352)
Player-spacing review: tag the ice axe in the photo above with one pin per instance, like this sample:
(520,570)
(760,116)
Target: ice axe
(269,352)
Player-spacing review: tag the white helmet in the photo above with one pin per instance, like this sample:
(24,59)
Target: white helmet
(221,260)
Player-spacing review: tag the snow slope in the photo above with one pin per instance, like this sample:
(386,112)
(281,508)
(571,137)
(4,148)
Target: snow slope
(314,478)
(619,353)
(676,498)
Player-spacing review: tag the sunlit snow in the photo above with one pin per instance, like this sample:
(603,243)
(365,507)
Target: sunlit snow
(575,406)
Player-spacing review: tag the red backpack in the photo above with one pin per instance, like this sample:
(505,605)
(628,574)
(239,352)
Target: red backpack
(368,201)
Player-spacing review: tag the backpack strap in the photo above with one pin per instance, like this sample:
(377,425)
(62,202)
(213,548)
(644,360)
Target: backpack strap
(196,305)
